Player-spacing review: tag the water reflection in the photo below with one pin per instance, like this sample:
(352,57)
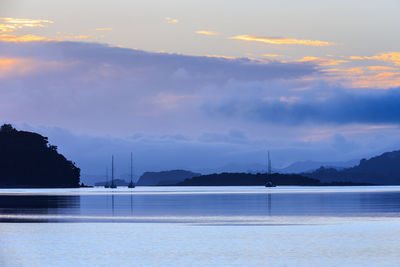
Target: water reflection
(269,203)
(38,204)
(207,204)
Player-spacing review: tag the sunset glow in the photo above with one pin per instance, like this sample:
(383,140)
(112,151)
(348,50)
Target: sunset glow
(211,78)
(281,40)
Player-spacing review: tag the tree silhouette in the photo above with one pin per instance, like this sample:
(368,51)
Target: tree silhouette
(28,160)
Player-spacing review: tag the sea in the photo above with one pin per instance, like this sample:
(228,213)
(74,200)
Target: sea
(201,226)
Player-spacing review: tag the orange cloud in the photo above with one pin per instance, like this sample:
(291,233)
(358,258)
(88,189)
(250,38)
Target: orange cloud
(207,32)
(379,68)
(22,38)
(380,80)
(9,25)
(7,28)
(218,56)
(13,24)
(322,61)
(272,55)
(281,40)
(171,20)
(6,63)
(104,29)
(14,66)
(366,77)
(26,21)
(393,57)
(75,37)
(358,70)
(37,38)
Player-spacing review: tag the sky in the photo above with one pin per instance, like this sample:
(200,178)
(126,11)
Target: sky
(203,85)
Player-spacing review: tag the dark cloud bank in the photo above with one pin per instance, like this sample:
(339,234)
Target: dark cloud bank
(201,110)
(372,107)
(82,78)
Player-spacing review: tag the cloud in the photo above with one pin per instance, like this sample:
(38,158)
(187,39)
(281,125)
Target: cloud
(212,33)
(322,61)
(219,56)
(281,40)
(104,29)
(13,67)
(22,38)
(159,91)
(379,68)
(392,57)
(12,24)
(272,55)
(171,20)
(336,107)
(234,137)
(36,38)
(378,77)
(6,28)
(75,37)
(176,110)
(379,80)
(87,85)
(9,25)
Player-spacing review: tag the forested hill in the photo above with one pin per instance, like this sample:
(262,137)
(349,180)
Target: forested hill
(245,179)
(27,160)
(383,169)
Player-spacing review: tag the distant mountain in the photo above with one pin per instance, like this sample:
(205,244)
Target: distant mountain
(296,167)
(383,169)
(309,166)
(240,167)
(91,179)
(165,177)
(28,160)
(118,182)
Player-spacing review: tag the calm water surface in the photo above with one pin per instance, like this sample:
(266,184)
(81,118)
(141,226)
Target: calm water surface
(102,204)
(201,226)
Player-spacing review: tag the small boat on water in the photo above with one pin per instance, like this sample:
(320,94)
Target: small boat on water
(113,185)
(269,173)
(131,184)
(269,184)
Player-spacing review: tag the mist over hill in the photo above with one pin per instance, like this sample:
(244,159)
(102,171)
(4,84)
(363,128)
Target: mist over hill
(309,166)
(383,169)
(165,177)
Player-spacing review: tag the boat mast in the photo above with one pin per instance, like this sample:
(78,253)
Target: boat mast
(112,170)
(269,165)
(131,170)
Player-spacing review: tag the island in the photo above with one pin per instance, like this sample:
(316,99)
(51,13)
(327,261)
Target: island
(27,160)
(383,170)
(249,179)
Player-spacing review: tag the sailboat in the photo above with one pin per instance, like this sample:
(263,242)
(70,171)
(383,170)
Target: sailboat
(113,185)
(107,185)
(131,184)
(269,172)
